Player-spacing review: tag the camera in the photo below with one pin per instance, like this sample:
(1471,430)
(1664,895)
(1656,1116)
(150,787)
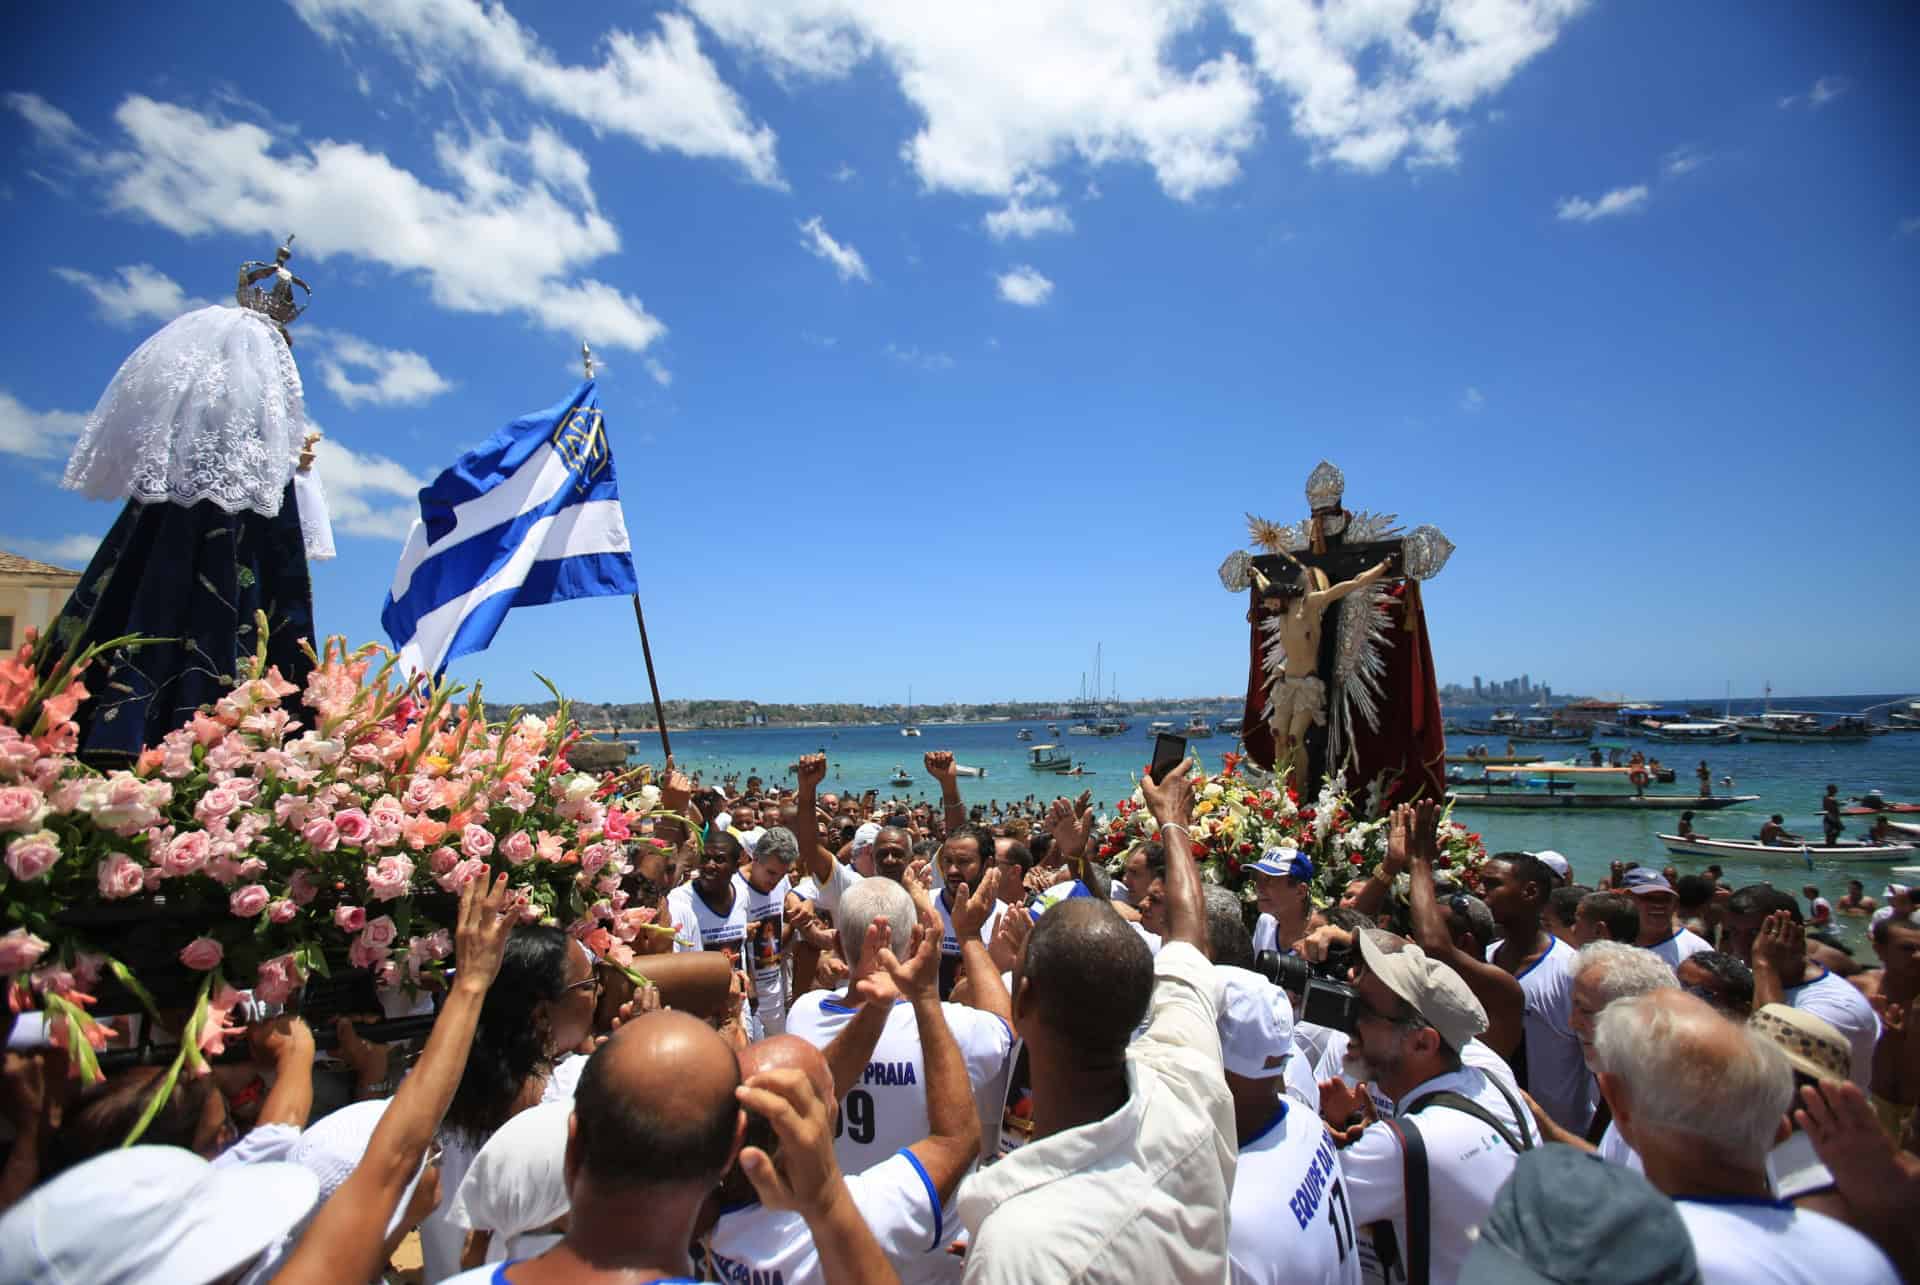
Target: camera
(1318,993)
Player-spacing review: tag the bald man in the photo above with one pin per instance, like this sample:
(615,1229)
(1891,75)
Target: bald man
(903,1199)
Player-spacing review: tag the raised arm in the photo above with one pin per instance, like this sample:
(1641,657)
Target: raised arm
(1323,598)
(347,1239)
(985,990)
(816,861)
(1171,803)
(1414,831)
(849,1052)
(940,767)
(287,1043)
(953,1124)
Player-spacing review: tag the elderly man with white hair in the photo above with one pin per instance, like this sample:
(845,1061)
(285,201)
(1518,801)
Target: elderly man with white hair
(1703,1101)
(885,1107)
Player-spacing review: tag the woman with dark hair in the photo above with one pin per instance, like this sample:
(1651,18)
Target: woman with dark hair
(536,1016)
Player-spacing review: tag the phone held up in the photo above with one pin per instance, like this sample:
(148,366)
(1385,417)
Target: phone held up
(1168,753)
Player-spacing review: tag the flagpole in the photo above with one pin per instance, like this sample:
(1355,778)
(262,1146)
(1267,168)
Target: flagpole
(659,712)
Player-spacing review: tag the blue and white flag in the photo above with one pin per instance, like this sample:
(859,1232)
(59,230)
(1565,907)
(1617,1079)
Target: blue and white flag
(530,516)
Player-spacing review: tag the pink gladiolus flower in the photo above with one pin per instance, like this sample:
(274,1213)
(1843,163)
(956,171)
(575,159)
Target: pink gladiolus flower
(19,951)
(390,878)
(518,797)
(120,876)
(476,841)
(281,911)
(21,808)
(616,826)
(349,919)
(422,832)
(550,846)
(276,979)
(320,835)
(518,847)
(352,825)
(202,953)
(32,855)
(186,853)
(249,901)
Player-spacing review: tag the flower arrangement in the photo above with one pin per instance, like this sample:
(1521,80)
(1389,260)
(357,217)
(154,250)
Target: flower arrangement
(1240,812)
(275,850)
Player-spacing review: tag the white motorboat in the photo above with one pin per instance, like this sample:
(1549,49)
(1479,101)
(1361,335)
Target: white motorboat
(899,779)
(1694,733)
(1696,846)
(1159,729)
(909,729)
(960,769)
(1197,728)
(1048,758)
(1024,734)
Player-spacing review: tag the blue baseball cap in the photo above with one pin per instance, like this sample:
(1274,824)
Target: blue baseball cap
(1286,862)
(1641,881)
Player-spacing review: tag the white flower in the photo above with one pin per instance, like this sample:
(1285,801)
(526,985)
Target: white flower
(649,797)
(1211,790)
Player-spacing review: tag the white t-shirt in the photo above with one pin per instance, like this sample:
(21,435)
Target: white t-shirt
(887,1110)
(950,944)
(1290,1224)
(1841,1003)
(1557,1075)
(897,1201)
(697,926)
(1764,1242)
(765,915)
(1615,1150)
(1821,911)
(1679,946)
(1266,934)
(1466,1163)
(842,877)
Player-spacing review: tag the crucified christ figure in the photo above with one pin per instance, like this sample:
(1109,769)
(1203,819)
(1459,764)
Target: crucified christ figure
(1297,695)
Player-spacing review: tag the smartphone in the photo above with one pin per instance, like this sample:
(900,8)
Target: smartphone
(1168,753)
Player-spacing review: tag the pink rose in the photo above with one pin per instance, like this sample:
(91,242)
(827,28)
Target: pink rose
(202,953)
(380,932)
(462,874)
(20,807)
(19,951)
(421,793)
(302,888)
(518,847)
(477,842)
(320,834)
(352,825)
(362,955)
(282,911)
(349,919)
(276,979)
(32,855)
(443,860)
(186,853)
(215,805)
(248,901)
(391,878)
(596,855)
(120,876)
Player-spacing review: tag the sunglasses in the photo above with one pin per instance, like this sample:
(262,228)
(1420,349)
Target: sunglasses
(590,980)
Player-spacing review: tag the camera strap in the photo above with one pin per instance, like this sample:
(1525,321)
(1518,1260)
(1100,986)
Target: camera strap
(1416,1180)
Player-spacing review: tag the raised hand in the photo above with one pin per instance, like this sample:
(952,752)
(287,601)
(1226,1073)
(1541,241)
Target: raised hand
(1426,830)
(1070,825)
(1399,841)
(1846,1135)
(940,767)
(1339,1103)
(971,914)
(1170,800)
(480,941)
(919,976)
(1782,946)
(811,770)
(877,987)
(806,1178)
(274,1039)
(676,789)
(1010,933)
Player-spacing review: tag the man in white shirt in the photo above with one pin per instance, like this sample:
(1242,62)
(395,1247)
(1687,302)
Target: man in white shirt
(902,1199)
(1517,886)
(1417,1015)
(1657,901)
(1702,1101)
(1763,928)
(885,1106)
(708,912)
(964,859)
(1128,1175)
(1282,886)
(1290,1221)
(763,887)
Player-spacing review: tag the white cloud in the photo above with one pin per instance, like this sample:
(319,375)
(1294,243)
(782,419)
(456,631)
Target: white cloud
(660,89)
(142,293)
(1684,159)
(36,434)
(1018,218)
(1024,286)
(54,127)
(919,360)
(399,377)
(1824,91)
(1472,400)
(845,259)
(507,236)
(661,375)
(367,494)
(845,174)
(72,551)
(1621,200)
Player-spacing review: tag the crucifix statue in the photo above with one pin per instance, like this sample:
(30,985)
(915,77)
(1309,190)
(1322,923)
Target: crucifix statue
(1358,699)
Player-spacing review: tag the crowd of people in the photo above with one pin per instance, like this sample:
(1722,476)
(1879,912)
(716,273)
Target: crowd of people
(875,1042)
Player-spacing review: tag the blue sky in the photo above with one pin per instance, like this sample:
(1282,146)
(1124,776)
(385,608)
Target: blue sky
(938,348)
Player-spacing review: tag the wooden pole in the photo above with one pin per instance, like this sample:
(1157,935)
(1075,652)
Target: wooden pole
(659,711)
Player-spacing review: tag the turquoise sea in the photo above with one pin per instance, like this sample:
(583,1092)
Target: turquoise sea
(1789,778)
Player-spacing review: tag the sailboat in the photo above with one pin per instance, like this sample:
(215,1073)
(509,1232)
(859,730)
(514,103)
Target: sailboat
(909,729)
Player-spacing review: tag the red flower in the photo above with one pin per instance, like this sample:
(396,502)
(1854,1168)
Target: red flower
(1356,858)
(1444,861)
(1200,847)
(1246,849)
(1233,865)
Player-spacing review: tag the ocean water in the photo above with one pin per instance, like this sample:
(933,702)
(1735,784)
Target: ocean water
(1789,778)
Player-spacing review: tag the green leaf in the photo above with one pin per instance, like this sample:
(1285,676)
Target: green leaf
(162,1092)
(126,978)
(317,962)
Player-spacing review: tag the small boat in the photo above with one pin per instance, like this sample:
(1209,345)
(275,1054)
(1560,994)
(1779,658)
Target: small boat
(1078,769)
(1053,729)
(1507,759)
(1159,729)
(899,777)
(1792,725)
(1197,728)
(1873,805)
(1231,726)
(1048,758)
(909,729)
(1559,799)
(1904,716)
(1695,846)
(1024,734)
(1694,733)
(962,770)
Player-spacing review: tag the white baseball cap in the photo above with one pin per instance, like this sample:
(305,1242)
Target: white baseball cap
(1255,1020)
(151,1214)
(1554,862)
(865,835)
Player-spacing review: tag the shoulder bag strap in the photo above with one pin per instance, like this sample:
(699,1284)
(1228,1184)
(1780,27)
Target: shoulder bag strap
(1413,1151)
(1467,1106)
